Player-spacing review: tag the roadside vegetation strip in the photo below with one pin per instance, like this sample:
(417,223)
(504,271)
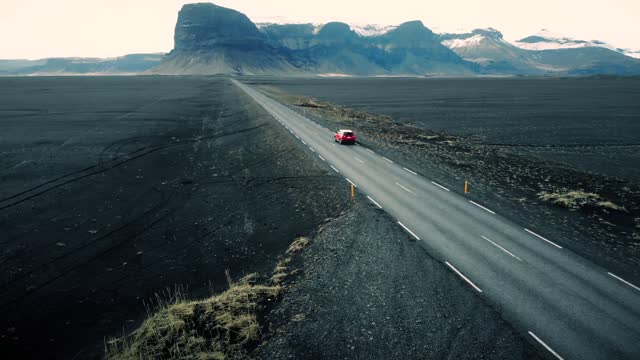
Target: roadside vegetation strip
(413,172)
(546,346)
(500,247)
(481,207)
(375,202)
(182,328)
(463,277)
(334,169)
(409,231)
(440,186)
(624,281)
(351,182)
(542,238)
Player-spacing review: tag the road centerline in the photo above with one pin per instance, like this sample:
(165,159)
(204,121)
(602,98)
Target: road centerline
(358,159)
(500,247)
(397,183)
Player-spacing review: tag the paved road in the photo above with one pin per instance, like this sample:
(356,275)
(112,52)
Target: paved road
(569,307)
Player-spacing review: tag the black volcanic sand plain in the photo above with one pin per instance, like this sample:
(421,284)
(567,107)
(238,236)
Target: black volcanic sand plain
(118,192)
(114,190)
(513,139)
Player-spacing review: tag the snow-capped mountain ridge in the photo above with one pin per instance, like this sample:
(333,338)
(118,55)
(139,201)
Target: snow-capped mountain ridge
(364,30)
(547,40)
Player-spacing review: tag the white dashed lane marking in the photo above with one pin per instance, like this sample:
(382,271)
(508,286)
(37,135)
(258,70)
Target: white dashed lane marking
(409,231)
(463,277)
(542,238)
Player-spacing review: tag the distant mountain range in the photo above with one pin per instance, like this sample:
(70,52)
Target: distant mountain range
(210,39)
(128,64)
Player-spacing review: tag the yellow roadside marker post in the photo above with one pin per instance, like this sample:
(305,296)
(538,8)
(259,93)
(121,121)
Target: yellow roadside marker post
(466,186)
(353,192)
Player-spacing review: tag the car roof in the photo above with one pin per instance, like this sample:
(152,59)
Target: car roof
(344,130)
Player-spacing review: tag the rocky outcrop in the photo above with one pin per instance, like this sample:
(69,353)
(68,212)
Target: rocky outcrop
(211,39)
(206,26)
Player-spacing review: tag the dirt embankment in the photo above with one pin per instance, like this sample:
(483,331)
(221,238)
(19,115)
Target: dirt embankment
(594,215)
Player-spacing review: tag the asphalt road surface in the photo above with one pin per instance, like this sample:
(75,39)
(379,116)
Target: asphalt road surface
(570,307)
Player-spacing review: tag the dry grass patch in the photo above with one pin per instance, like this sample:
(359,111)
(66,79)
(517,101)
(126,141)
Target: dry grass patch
(223,326)
(298,245)
(577,199)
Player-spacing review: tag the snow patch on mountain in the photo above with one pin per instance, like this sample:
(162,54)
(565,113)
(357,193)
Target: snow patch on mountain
(474,40)
(547,40)
(364,30)
(369,30)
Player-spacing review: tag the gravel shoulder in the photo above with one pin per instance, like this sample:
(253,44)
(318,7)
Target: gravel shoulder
(367,291)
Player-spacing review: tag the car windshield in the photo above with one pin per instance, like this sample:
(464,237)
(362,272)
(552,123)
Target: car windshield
(347,133)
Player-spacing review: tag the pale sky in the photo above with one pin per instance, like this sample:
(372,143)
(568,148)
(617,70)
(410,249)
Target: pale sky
(33,29)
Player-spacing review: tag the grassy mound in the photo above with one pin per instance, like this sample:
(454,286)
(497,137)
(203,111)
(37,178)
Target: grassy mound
(221,327)
(575,199)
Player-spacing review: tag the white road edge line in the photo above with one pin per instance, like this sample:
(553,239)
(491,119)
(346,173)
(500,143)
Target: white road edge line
(463,277)
(321,158)
(481,207)
(409,231)
(387,159)
(310,148)
(397,183)
(303,142)
(359,159)
(297,137)
(351,182)
(624,281)
(540,237)
(371,151)
(413,172)
(334,169)
(375,202)
(546,346)
(500,247)
(440,186)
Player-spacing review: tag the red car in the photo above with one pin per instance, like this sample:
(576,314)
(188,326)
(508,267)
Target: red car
(345,137)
